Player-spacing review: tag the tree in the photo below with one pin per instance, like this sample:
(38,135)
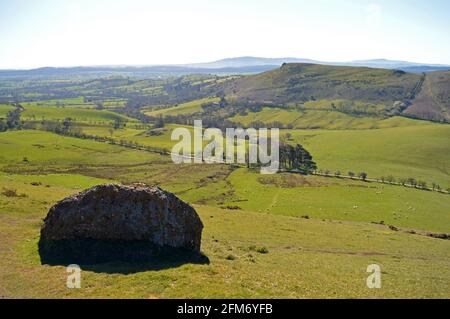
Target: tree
(351,174)
(422,184)
(66,125)
(390,179)
(159,122)
(13,118)
(411,181)
(99,105)
(118,123)
(363,176)
(223,102)
(296,158)
(337,173)
(436,187)
(3,126)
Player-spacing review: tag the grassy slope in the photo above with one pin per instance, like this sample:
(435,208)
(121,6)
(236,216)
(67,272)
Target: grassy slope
(316,258)
(47,151)
(420,151)
(321,119)
(138,136)
(184,108)
(33,112)
(390,150)
(307,258)
(320,197)
(76,102)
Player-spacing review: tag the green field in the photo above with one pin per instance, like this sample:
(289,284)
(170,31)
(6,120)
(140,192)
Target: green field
(182,109)
(78,102)
(285,235)
(51,113)
(324,256)
(50,152)
(322,119)
(389,150)
(420,151)
(328,198)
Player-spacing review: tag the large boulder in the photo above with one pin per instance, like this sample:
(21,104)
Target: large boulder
(126,221)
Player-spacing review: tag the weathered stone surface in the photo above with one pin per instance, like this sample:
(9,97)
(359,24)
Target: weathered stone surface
(122,214)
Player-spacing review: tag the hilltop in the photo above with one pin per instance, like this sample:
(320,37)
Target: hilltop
(295,84)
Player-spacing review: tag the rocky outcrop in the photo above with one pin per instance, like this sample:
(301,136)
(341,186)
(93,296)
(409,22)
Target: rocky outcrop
(136,219)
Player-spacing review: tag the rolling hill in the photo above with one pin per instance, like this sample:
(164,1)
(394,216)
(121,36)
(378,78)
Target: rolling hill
(249,61)
(295,84)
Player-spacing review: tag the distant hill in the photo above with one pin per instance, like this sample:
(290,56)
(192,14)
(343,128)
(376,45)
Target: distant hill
(247,61)
(398,65)
(295,84)
(135,71)
(238,65)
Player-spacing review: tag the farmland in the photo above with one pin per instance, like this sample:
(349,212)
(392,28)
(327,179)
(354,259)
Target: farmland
(341,238)
(320,231)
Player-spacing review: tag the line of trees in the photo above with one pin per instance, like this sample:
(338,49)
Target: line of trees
(68,128)
(409,182)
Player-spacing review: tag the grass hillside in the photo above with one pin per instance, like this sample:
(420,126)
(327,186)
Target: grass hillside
(184,108)
(324,256)
(326,198)
(320,119)
(299,83)
(420,151)
(433,101)
(387,150)
(78,102)
(283,235)
(34,112)
(35,151)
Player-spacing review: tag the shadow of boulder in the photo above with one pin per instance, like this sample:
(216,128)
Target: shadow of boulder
(124,257)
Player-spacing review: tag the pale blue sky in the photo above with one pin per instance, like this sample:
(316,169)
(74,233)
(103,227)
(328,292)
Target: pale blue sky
(104,32)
